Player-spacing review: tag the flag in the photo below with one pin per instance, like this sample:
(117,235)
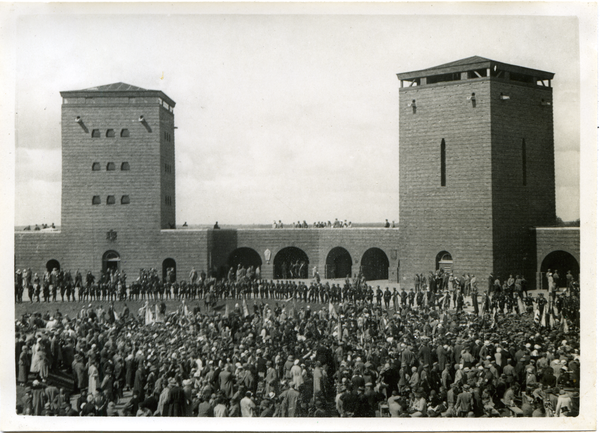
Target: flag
(116,315)
(536,317)
(226,310)
(149,320)
(245,308)
(565,326)
(543,319)
(332,313)
(521,306)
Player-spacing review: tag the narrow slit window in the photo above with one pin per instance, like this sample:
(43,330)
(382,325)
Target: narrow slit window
(524,161)
(443,162)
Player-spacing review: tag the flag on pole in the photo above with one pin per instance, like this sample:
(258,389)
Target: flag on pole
(332,313)
(156,315)
(543,319)
(245,308)
(521,306)
(149,320)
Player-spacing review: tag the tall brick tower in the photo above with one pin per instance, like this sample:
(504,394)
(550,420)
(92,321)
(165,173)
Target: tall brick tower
(118,165)
(476,168)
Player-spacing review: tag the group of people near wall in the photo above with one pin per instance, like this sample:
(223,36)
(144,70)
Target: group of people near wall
(347,357)
(336,224)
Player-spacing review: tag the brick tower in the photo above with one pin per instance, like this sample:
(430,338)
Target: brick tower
(118,165)
(476,168)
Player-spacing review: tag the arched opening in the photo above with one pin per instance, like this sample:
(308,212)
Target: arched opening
(562,262)
(51,264)
(111,260)
(375,264)
(338,263)
(244,256)
(169,270)
(290,262)
(444,261)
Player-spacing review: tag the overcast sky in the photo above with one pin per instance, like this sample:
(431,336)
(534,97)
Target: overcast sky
(291,117)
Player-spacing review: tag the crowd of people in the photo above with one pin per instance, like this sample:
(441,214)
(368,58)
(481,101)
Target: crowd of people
(363,352)
(336,224)
(39,227)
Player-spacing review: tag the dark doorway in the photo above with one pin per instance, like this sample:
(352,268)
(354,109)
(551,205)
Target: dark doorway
(244,256)
(290,262)
(562,262)
(338,263)
(51,264)
(111,260)
(375,264)
(444,261)
(169,270)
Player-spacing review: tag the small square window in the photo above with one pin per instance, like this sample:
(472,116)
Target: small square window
(110,166)
(125,199)
(95,133)
(110,133)
(125,166)
(125,132)
(96,199)
(96,166)
(110,199)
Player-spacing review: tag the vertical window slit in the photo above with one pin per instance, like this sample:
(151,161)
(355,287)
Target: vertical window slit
(524,161)
(443,162)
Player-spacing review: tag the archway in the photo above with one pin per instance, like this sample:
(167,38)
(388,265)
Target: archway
(562,262)
(444,261)
(51,264)
(290,262)
(169,270)
(375,264)
(111,260)
(338,263)
(244,256)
